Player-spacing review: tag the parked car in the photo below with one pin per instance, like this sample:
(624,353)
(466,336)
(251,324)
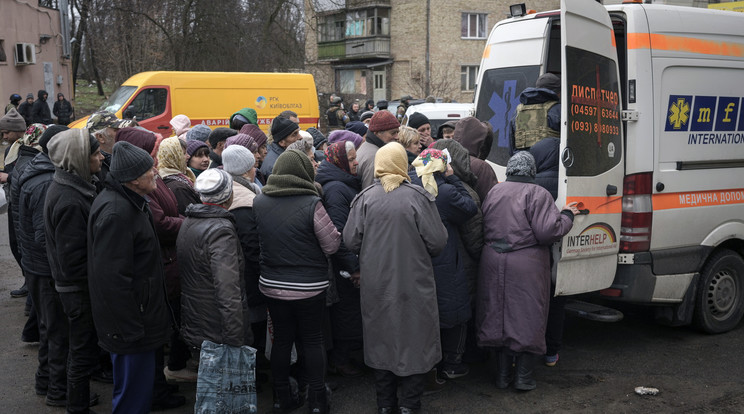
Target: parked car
(439,113)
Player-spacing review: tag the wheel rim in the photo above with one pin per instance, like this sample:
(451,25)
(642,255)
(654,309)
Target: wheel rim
(722,294)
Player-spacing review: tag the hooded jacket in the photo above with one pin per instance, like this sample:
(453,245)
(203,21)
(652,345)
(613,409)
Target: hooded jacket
(210,258)
(32,235)
(62,110)
(40,112)
(546,162)
(477,137)
(66,211)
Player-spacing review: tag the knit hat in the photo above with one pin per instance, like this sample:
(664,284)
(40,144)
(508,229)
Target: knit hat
(417,119)
(129,162)
(248,115)
(342,135)
(293,174)
(521,164)
(281,128)
(357,127)
(256,133)
(181,124)
(391,166)
(30,95)
(220,134)
(243,140)
(549,81)
(193,146)
(199,132)
(140,138)
(383,121)
(49,133)
(318,137)
(366,115)
(237,160)
(214,186)
(12,121)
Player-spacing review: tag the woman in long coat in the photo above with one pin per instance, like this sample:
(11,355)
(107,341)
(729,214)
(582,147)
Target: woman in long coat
(520,222)
(395,228)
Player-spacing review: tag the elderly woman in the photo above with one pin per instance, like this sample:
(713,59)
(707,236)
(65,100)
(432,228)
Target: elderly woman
(295,235)
(520,222)
(410,139)
(176,176)
(453,298)
(338,176)
(398,290)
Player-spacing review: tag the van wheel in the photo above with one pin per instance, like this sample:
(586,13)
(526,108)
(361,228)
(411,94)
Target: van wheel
(720,301)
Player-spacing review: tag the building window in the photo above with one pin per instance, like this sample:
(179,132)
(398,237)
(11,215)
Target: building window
(468,76)
(371,22)
(473,26)
(331,28)
(3,56)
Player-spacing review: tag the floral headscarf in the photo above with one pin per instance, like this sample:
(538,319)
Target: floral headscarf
(171,160)
(391,166)
(429,162)
(336,155)
(30,139)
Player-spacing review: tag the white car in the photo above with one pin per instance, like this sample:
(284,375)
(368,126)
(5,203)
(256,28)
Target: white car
(439,113)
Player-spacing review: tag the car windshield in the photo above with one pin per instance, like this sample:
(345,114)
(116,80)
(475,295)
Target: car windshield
(118,98)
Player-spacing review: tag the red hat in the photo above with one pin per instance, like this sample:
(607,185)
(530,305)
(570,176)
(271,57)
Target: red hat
(383,121)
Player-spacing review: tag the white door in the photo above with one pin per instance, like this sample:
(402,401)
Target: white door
(379,92)
(592,168)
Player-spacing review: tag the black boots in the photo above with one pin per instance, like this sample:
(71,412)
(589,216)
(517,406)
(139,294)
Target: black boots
(319,402)
(504,372)
(525,380)
(287,398)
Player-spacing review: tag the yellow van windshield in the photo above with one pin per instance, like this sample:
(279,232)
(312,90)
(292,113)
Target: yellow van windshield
(118,98)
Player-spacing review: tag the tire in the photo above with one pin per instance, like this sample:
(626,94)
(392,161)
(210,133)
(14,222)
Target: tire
(719,305)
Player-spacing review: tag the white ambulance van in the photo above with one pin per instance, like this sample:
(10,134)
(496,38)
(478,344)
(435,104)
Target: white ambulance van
(652,147)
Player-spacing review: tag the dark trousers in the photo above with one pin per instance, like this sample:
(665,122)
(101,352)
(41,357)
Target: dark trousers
(31,328)
(411,389)
(82,359)
(51,376)
(346,322)
(453,342)
(299,321)
(554,328)
(179,351)
(134,377)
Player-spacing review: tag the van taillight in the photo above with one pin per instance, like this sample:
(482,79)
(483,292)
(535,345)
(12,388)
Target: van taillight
(635,231)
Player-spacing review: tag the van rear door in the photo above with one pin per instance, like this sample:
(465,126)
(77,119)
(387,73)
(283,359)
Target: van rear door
(592,167)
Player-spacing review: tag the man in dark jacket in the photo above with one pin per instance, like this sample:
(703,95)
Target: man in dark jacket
(125,277)
(40,113)
(285,133)
(76,156)
(477,137)
(51,376)
(217,140)
(337,117)
(25,109)
(538,114)
(62,110)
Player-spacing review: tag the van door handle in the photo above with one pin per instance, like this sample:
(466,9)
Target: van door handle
(611,189)
(162,127)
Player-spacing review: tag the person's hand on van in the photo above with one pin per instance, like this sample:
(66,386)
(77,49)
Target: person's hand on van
(572,208)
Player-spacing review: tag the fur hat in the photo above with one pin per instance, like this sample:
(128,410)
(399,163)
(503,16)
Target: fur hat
(383,121)
(129,162)
(237,160)
(214,186)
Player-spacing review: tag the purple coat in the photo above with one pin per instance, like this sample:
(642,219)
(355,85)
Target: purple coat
(520,222)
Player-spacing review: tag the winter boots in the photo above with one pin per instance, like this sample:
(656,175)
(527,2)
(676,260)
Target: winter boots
(287,398)
(504,371)
(525,380)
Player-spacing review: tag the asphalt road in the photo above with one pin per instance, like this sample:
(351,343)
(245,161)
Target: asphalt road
(599,368)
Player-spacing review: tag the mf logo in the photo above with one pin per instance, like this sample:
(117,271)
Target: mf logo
(704,113)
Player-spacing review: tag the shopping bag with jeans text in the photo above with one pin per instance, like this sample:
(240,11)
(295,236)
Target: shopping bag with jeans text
(227,380)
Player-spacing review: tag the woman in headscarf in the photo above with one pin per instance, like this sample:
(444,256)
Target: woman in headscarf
(455,207)
(345,135)
(172,169)
(340,184)
(520,222)
(295,235)
(398,291)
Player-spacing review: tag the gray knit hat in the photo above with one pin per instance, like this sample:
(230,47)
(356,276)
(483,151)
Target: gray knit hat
(12,121)
(199,132)
(214,186)
(237,160)
(521,164)
(129,162)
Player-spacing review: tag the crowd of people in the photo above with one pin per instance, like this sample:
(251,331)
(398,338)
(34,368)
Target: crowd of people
(38,111)
(381,242)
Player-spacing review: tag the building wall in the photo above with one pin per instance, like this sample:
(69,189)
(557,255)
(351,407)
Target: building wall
(22,21)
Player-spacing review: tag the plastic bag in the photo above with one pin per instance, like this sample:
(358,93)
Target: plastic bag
(227,380)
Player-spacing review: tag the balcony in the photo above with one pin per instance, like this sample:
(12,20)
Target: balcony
(355,48)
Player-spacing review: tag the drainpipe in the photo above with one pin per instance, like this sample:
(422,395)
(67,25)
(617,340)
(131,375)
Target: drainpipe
(428,66)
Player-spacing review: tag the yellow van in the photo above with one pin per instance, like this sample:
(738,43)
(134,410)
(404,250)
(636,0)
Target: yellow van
(210,98)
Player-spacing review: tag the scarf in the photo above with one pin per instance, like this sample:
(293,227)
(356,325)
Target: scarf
(459,159)
(374,139)
(430,161)
(336,155)
(391,166)
(293,174)
(171,159)
(29,139)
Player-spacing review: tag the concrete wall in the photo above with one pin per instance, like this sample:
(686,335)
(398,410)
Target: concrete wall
(23,21)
